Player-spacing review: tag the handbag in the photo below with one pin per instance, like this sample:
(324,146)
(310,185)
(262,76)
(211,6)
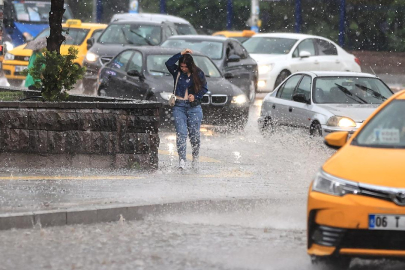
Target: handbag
(172,97)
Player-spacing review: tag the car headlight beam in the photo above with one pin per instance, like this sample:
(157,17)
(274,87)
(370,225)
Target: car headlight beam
(329,184)
(91,57)
(263,69)
(340,121)
(240,99)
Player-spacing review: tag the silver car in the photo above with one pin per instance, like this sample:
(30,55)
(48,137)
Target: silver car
(323,101)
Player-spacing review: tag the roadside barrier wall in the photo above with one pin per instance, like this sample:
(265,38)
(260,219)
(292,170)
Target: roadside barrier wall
(77,134)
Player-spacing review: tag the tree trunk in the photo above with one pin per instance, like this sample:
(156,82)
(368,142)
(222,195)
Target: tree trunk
(55,38)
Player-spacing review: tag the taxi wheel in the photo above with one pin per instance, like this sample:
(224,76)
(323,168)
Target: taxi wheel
(315,129)
(281,77)
(15,83)
(331,262)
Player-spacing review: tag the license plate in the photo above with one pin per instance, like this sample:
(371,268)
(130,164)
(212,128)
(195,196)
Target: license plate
(386,222)
(20,68)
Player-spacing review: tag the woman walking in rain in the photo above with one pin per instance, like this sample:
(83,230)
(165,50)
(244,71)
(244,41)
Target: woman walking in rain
(191,86)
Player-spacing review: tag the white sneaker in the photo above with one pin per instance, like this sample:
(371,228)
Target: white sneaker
(182,164)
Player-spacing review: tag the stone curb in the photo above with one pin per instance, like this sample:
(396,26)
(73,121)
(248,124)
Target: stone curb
(85,215)
(112,213)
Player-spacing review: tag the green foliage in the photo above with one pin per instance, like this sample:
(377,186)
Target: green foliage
(11,95)
(55,74)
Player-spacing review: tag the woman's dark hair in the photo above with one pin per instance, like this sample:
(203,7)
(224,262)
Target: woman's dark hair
(194,70)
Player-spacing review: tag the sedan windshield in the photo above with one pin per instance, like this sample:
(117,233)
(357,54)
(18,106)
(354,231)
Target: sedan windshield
(136,34)
(386,129)
(350,90)
(269,45)
(155,65)
(212,49)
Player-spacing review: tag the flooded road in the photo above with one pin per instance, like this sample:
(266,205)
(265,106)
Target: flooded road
(253,216)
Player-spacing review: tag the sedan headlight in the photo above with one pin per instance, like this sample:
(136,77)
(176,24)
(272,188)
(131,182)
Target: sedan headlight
(9,46)
(91,57)
(239,99)
(263,69)
(165,95)
(326,183)
(9,56)
(339,121)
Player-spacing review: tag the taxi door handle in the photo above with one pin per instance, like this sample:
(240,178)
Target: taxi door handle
(337,61)
(124,78)
(316,62)
(290,109)
(274,106)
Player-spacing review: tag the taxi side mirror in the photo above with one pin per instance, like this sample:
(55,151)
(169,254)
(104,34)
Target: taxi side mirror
(90,42)
(337,139)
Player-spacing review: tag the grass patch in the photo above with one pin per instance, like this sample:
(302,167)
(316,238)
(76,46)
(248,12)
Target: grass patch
(11,95)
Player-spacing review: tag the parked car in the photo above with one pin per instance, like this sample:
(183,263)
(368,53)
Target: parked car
(129,30)
(241,36)
(16,60)
(356,200)
(228,54)
(323,101)
(280,54)
(140,73)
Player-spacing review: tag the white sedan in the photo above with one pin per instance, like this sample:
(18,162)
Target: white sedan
(280,54)
(323,101)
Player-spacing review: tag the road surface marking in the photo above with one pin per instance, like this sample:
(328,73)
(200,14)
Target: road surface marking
(189,157)
(98,177)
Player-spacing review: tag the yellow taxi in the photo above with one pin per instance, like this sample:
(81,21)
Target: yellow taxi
(16,60)
(356,203)
(239,35)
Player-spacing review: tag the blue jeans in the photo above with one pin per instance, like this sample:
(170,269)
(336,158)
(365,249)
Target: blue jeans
(187,120)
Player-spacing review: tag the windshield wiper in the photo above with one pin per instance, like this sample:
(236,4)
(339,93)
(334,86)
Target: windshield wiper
(125,36)
(373,92)
(139,35)
(160,71)
(350,95)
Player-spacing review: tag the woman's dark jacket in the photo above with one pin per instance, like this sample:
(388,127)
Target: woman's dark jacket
(185,81)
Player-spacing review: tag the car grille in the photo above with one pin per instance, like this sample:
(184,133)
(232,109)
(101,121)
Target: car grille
(21,58)
(219,99)
(216,100)
(371,239)
(388,194)
(205,100)
(105,59)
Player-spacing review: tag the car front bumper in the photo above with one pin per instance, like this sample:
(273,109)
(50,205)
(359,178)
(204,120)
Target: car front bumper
(268,79)
(9,69)
(330,129)
(340,226)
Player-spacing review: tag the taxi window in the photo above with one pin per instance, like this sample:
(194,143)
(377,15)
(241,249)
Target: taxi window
(74,36)
(386,129)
